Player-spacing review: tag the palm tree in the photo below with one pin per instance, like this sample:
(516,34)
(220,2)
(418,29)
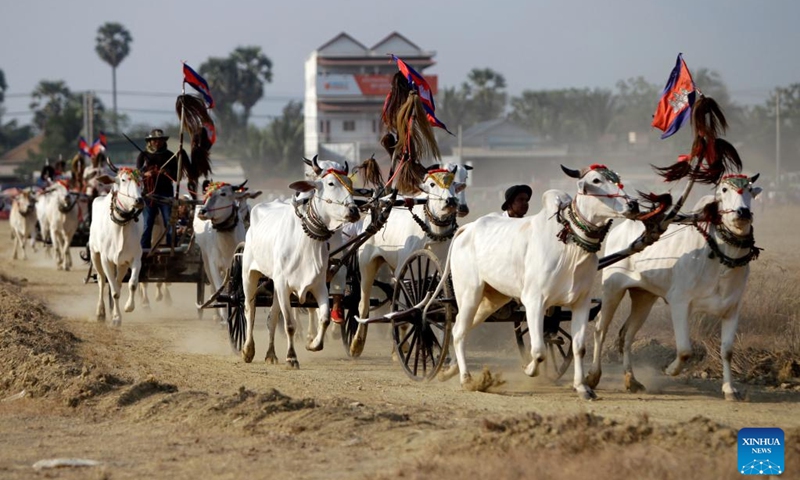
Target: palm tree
(254,69)
(113,45)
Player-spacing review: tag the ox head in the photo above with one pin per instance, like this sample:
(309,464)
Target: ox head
(315,168)
(441,189)
(127,189)
(461,173)
(600,194)
(331,193)
(734,195)
(220,200)
(25,201)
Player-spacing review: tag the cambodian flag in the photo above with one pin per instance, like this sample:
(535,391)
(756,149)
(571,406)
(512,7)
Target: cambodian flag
(420,85)
(675,106)
(99,145)
(83,147)
(211,132)
(198,83)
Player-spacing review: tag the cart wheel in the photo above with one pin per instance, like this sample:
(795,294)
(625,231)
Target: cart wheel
(351,300)
(557,343)
(237,323)
(421,342)
(201,287)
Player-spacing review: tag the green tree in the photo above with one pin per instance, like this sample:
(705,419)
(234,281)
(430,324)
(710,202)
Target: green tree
(59,114)
(280,143)
(113,45)
(253,70)
(486,93)
(3,86)
(637,100)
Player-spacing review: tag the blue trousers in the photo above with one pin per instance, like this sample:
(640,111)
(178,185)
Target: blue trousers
(150,212)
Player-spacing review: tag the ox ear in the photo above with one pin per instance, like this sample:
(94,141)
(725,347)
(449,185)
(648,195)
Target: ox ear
(754,178)
(307,161)
(459,186)
(255,194)
(755,191)
(570,172)
(303,186)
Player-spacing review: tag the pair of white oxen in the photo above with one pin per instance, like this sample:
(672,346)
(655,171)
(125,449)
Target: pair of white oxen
(56,210)
(545,260)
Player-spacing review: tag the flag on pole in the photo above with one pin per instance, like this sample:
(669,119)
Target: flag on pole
(99,145)
(420,85)
(675,105)
(198,83)
(83,147)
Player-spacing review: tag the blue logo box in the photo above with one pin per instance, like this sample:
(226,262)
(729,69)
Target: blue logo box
(760,451)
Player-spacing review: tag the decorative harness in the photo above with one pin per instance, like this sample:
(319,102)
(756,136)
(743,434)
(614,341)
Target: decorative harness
(124,217)
(313,226)
(443,178)
(594,235)
(72,198)
(739,182)
(233,219)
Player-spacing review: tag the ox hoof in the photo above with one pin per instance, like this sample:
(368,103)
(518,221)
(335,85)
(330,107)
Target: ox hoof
(100,318)
(129,308)
(632,385)
(734,396)
(315,347)
(448,373)
(593,378)
(116,323)
(586,393)
(532,369)
(271,358)
(292,364)
(357,347)
(248,352)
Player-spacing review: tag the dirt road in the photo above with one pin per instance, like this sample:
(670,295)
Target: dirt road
(164,397)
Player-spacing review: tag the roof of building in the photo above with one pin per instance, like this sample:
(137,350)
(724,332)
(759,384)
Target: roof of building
(344,45)
(20,152)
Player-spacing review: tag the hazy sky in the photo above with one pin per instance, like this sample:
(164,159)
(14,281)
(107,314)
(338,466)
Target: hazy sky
(535,44)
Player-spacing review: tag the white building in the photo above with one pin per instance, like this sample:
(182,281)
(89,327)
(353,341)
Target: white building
(346,84)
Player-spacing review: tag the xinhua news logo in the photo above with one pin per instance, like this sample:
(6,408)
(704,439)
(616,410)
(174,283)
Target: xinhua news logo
(761,451)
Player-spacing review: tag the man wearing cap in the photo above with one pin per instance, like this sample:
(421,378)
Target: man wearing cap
(517,198)
(159,167)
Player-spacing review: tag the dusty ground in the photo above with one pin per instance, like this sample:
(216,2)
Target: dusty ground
(163,397)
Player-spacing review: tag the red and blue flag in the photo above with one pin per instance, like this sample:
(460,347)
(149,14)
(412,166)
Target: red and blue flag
(423,89)
(675,106)
(99,145)
(83,147)
(198,83)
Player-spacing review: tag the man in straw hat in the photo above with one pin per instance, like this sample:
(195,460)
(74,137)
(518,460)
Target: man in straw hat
(517,198)
(159,167)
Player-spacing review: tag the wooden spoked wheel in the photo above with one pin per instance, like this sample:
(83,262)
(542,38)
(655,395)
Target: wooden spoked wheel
(421,342)
(351,299)
(237,323)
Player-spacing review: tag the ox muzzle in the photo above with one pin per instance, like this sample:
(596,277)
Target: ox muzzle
(353,214)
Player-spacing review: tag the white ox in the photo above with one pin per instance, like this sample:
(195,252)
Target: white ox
(41,200)
(218,228)
(405,232)
(545,260)
(115,240)
(62,220)
(288,244)
(701,268)
(23,221)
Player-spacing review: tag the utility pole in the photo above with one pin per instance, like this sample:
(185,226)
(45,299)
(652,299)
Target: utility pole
(778,140)
(90,130)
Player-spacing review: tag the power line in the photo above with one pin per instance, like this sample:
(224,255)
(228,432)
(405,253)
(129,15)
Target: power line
(282,97)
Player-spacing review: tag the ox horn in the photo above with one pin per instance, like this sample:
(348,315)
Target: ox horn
(315,165)
(572,173)
(754,178)
(240,186)
(346,168)
(307,161)
(111,165)
(435,166)
(468,167)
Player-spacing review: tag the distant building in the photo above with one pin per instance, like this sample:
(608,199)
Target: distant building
(15,158)
(346,84)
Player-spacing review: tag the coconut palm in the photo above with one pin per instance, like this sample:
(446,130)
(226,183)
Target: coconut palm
(113,45)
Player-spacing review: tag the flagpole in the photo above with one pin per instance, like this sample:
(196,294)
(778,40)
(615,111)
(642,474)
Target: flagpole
(176,204)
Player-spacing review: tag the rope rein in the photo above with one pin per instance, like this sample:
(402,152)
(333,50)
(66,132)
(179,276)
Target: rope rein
(448,222)
(123,217)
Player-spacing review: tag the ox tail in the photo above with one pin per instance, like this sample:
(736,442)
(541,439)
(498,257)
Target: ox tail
(445,273)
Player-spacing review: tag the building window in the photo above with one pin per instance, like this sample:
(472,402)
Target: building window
(374,126)
(321,126)
(349,125)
